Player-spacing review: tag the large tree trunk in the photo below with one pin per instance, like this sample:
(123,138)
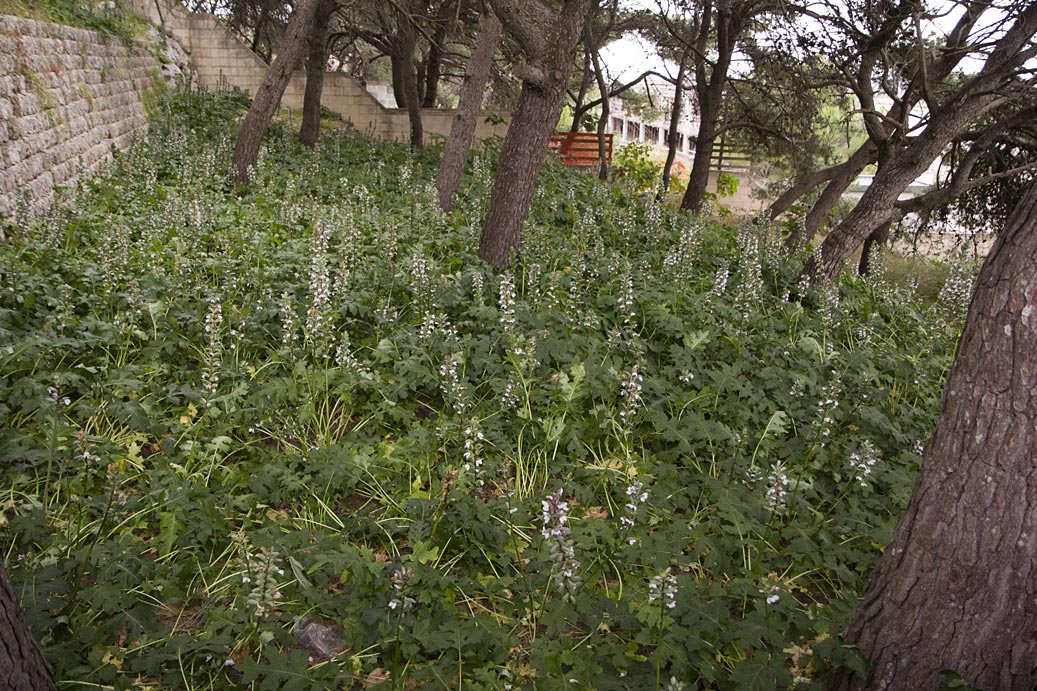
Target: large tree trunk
(268,96)
(466,117)
(956,588)
(698,178)
(22,667)
(316,63)
(398,62)
(524,150)
(548,39)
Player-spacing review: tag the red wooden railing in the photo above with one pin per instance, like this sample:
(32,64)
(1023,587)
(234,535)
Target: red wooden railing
(580,148)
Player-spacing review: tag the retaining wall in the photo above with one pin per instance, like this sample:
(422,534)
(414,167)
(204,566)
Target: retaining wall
(68,98)
(221,59)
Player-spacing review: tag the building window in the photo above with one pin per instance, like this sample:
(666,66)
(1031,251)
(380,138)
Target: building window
(680,142)
(651,134)
(633,131)
(617,125)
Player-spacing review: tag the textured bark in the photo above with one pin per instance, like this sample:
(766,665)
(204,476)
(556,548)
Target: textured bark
(548,39)
(956,588)
(462,128)
(22,667)
(268,96)
(316,62)
(831,195)
(524,150)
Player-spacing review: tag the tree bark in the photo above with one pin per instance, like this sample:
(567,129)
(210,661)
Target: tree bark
(579,109)
(977,95)
(592,45)
(398,64)
(462,128)
(548,39)
(877,205)
(709,85)
(268,96)
(22,666)
(675,121)
(603,121)
(316,63)
(433,67)
(877,239)
(521,157)
(956,588)
(830,196)
(403,56)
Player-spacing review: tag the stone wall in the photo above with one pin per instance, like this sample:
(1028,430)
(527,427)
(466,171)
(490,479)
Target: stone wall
(68,98)
(221,59)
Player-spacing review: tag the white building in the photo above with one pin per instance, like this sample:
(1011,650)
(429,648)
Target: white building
(629,127)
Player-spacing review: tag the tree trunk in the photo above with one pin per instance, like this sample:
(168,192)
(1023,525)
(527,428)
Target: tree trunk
(434,63)
(875,240)
(579,109)
(398,63)
(606,110)
(603,123)
(524,150)
(698,179)
(316,63)
(268,96)
(548,38)
(22,666)
(956,588)
(675,121)
(830,198)
(433,67)
(405,82)
(462,129)
(709,85)
(877,205)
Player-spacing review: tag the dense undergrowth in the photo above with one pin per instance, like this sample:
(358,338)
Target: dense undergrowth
(305,439)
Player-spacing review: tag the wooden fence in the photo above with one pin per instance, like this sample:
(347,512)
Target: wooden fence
(580,148)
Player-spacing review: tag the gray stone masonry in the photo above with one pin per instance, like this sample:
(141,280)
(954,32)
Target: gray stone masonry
(68,99)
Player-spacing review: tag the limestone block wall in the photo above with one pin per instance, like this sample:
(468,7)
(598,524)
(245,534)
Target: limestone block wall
(68,97)
(221,59)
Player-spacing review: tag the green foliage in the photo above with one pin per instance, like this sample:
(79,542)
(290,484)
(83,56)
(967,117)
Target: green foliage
(633,166)
(727,185)
(227,418)
(103,17)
